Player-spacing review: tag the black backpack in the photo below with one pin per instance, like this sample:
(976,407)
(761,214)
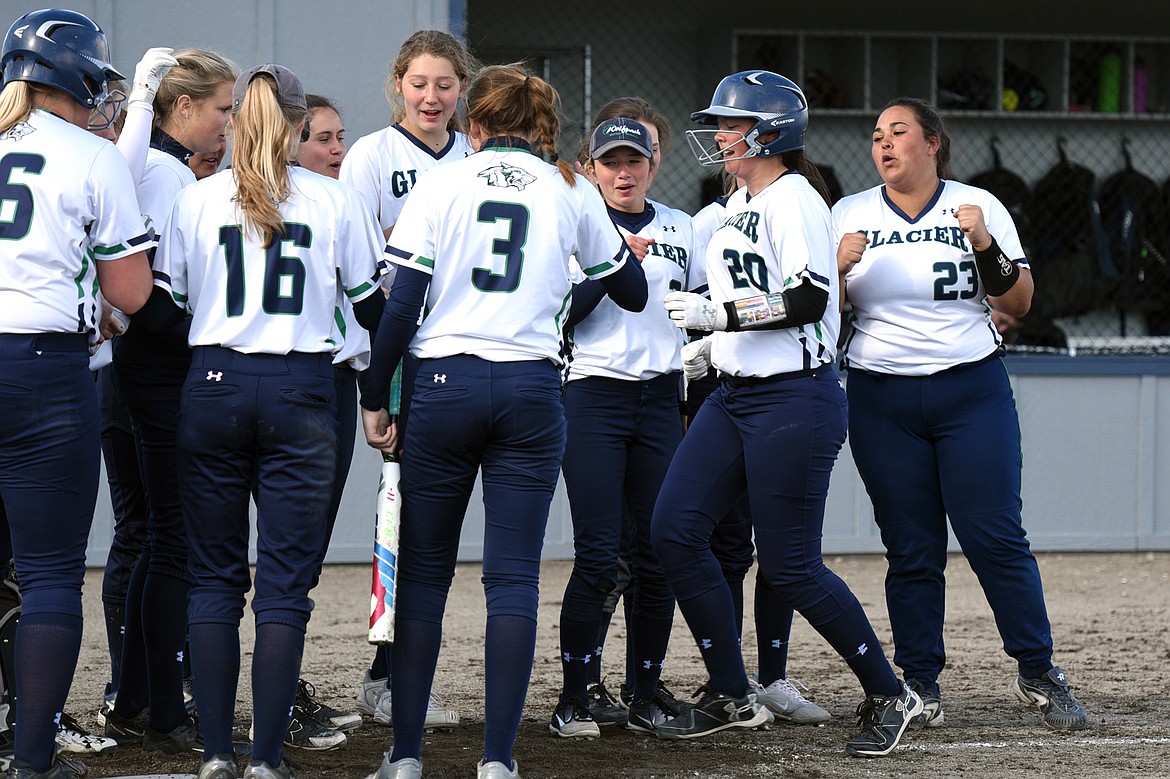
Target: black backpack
(1068,277)
(1132,239)
(1009,189)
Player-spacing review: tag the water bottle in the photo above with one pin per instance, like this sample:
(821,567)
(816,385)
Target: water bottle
(1109,83)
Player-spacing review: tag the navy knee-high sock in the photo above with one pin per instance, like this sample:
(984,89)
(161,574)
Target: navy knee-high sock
(602,633)
(851,635)
(165,637)
(510,646)
(133,692)
(773,629)
(215,665)
(735,584)
(652,638)
(711,619)
(276,666)
(115,614)
(47,646)
(578,650)
(412,670)
(380,667)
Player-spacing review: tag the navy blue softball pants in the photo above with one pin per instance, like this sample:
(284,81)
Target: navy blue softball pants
(933,447)
(621,438)
(778,442)
(269,421)
(467,413)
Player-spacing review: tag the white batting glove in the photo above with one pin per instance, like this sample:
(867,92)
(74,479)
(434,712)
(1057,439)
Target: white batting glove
(696,358)
(694,312)
(149,71)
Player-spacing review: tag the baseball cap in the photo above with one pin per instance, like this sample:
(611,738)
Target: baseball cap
(620,131)
(289,91)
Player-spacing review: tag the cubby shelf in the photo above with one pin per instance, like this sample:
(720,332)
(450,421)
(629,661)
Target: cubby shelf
(981,75)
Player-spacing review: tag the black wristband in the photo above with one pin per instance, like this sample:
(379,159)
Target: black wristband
(997,272)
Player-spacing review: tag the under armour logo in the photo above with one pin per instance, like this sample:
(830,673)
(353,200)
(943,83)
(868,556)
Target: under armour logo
(440,378)
(705,643)
(215,375)
(179,656)
(861,650)
(668,228)
(777,643)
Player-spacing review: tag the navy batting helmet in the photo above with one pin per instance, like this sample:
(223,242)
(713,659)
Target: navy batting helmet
(60,49)
(777,105)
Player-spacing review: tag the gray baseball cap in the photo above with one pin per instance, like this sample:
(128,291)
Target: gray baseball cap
(289,91)
(621,131)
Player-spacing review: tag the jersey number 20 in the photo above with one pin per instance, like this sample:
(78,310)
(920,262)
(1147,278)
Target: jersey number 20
(284,276)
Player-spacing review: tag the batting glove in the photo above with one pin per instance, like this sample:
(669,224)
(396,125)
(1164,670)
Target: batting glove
(149,71)
(694,312)
(696,358)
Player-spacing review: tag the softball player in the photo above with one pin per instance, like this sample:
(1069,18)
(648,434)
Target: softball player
(426,82)
(924,260)
(776,423)
(71,226)
(322,148)
(315,725)
(621,406)
(258,258)
(484,242)
(191,109)
(731,542)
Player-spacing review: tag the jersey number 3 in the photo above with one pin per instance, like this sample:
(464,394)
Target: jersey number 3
(510,248)
(284,277)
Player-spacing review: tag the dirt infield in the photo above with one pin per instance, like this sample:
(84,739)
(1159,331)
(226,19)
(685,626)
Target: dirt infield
(1110,622)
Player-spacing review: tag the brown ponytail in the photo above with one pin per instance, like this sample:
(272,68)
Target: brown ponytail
(506,100)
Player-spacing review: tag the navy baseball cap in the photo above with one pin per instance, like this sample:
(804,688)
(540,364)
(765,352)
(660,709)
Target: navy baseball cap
(621,131)
(289,91)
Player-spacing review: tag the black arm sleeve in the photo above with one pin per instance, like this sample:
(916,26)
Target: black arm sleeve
(586,296)
(627,287)
(803,304)
(399,322)
(368,311)
(160,314)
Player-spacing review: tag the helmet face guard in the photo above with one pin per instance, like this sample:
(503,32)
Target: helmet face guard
(776,104)
(106,110)
(61,49)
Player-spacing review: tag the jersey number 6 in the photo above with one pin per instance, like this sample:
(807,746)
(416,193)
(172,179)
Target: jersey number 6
(16,219)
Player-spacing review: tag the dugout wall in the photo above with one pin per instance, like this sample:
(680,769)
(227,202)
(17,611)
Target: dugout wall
(1094,428)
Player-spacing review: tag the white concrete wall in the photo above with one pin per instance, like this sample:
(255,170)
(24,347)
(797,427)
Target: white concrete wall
(339,49)
(1095,472)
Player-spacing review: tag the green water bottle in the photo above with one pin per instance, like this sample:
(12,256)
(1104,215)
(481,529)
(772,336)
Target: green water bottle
(1109,83)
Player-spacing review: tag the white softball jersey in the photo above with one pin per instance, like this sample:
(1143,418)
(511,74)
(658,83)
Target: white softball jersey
(620,344)
(769,243)
(162,180)
(495,232)
(68,203)
(273,300)
(918,304)
(703,225)
(385,165)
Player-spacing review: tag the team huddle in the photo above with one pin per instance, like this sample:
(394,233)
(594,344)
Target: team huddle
(495,312)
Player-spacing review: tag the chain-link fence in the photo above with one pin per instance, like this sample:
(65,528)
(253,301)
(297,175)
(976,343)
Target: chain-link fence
(1072,136)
